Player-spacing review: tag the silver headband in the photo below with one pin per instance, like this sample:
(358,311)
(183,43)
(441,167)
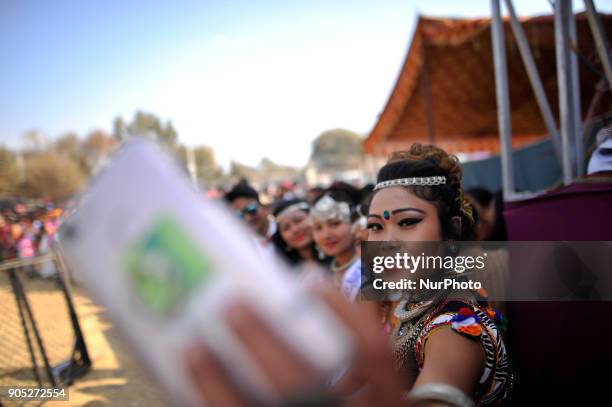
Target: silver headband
(301,206)
(328,208)
(405,182)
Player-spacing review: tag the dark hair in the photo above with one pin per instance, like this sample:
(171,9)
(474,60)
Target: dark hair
(314,193)
(499,232)
(366,191)
(366,194)
(241,190)
(481,195)
(282,204)
(291,255)
(425,161)
(341,191)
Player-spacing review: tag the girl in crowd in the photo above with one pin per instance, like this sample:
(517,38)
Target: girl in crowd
(293,237)
(448,344)
(333,215)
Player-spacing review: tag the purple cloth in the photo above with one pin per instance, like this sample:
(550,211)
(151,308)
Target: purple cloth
(561,349)
(575,212)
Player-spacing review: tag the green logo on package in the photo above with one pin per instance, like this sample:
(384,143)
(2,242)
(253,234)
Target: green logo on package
(166,265)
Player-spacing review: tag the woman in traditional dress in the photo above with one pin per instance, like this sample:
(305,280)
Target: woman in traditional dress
(333,216)
(447,344)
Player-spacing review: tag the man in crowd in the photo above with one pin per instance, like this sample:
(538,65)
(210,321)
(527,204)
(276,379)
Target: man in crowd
(245,200)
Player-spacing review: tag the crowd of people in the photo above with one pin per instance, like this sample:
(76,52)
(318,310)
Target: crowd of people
(27,229)
(438,348)
(444,350)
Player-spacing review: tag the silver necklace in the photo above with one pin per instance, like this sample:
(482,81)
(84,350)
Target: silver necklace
(335,268)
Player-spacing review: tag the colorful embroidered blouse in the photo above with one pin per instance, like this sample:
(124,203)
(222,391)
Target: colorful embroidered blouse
(473,320)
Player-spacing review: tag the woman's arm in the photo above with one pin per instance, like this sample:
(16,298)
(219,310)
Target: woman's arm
(452,359)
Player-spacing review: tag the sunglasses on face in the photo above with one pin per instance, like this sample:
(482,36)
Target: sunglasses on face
(250,209)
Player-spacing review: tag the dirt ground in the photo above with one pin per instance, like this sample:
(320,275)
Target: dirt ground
(115,378)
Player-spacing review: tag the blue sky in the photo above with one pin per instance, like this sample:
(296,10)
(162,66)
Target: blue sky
(249,78)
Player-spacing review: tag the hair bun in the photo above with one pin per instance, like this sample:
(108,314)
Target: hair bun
(449,163)
(430,160)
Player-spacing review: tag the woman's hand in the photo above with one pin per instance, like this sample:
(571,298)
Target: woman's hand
(287,372)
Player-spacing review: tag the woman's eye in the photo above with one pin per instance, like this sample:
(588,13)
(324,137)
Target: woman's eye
(409,222)
(374,227)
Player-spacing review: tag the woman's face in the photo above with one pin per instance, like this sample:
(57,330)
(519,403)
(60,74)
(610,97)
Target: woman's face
(295,229)
(396,214)
(332,236)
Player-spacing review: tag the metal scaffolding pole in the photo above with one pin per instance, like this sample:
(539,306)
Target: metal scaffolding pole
(578,141)
(503,99)
(534,78)
(600,39)
(564,80)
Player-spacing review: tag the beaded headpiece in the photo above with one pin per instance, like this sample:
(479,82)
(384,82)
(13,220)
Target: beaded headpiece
(405,182)
(464,204)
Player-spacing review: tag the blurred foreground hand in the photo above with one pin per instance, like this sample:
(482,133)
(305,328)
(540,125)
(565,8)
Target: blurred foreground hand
(291,376)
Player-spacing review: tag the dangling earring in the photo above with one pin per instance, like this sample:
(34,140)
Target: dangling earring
(320,253)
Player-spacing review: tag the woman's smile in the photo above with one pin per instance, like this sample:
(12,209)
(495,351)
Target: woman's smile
(330,244)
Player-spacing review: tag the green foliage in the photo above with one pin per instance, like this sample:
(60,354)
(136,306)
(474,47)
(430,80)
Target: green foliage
(35,140)
(206,166)
(267,171)
(207,170)
(48,175)
(204,157)
(119,129)
(88,153)
(58,169)
(95,148)
(273,171)
(337,148)
(68,145)
(239,171)
(145,124)
(8,172)
(52,170)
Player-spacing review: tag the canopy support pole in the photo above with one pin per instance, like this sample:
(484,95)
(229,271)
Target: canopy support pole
(503,100)
(564,81)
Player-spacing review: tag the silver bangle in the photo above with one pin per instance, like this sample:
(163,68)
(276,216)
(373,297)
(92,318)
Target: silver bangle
(441,392)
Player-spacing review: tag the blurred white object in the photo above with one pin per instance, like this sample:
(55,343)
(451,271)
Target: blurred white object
(165,262)
(601,159)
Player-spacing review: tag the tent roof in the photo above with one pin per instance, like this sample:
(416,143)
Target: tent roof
(456,55)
